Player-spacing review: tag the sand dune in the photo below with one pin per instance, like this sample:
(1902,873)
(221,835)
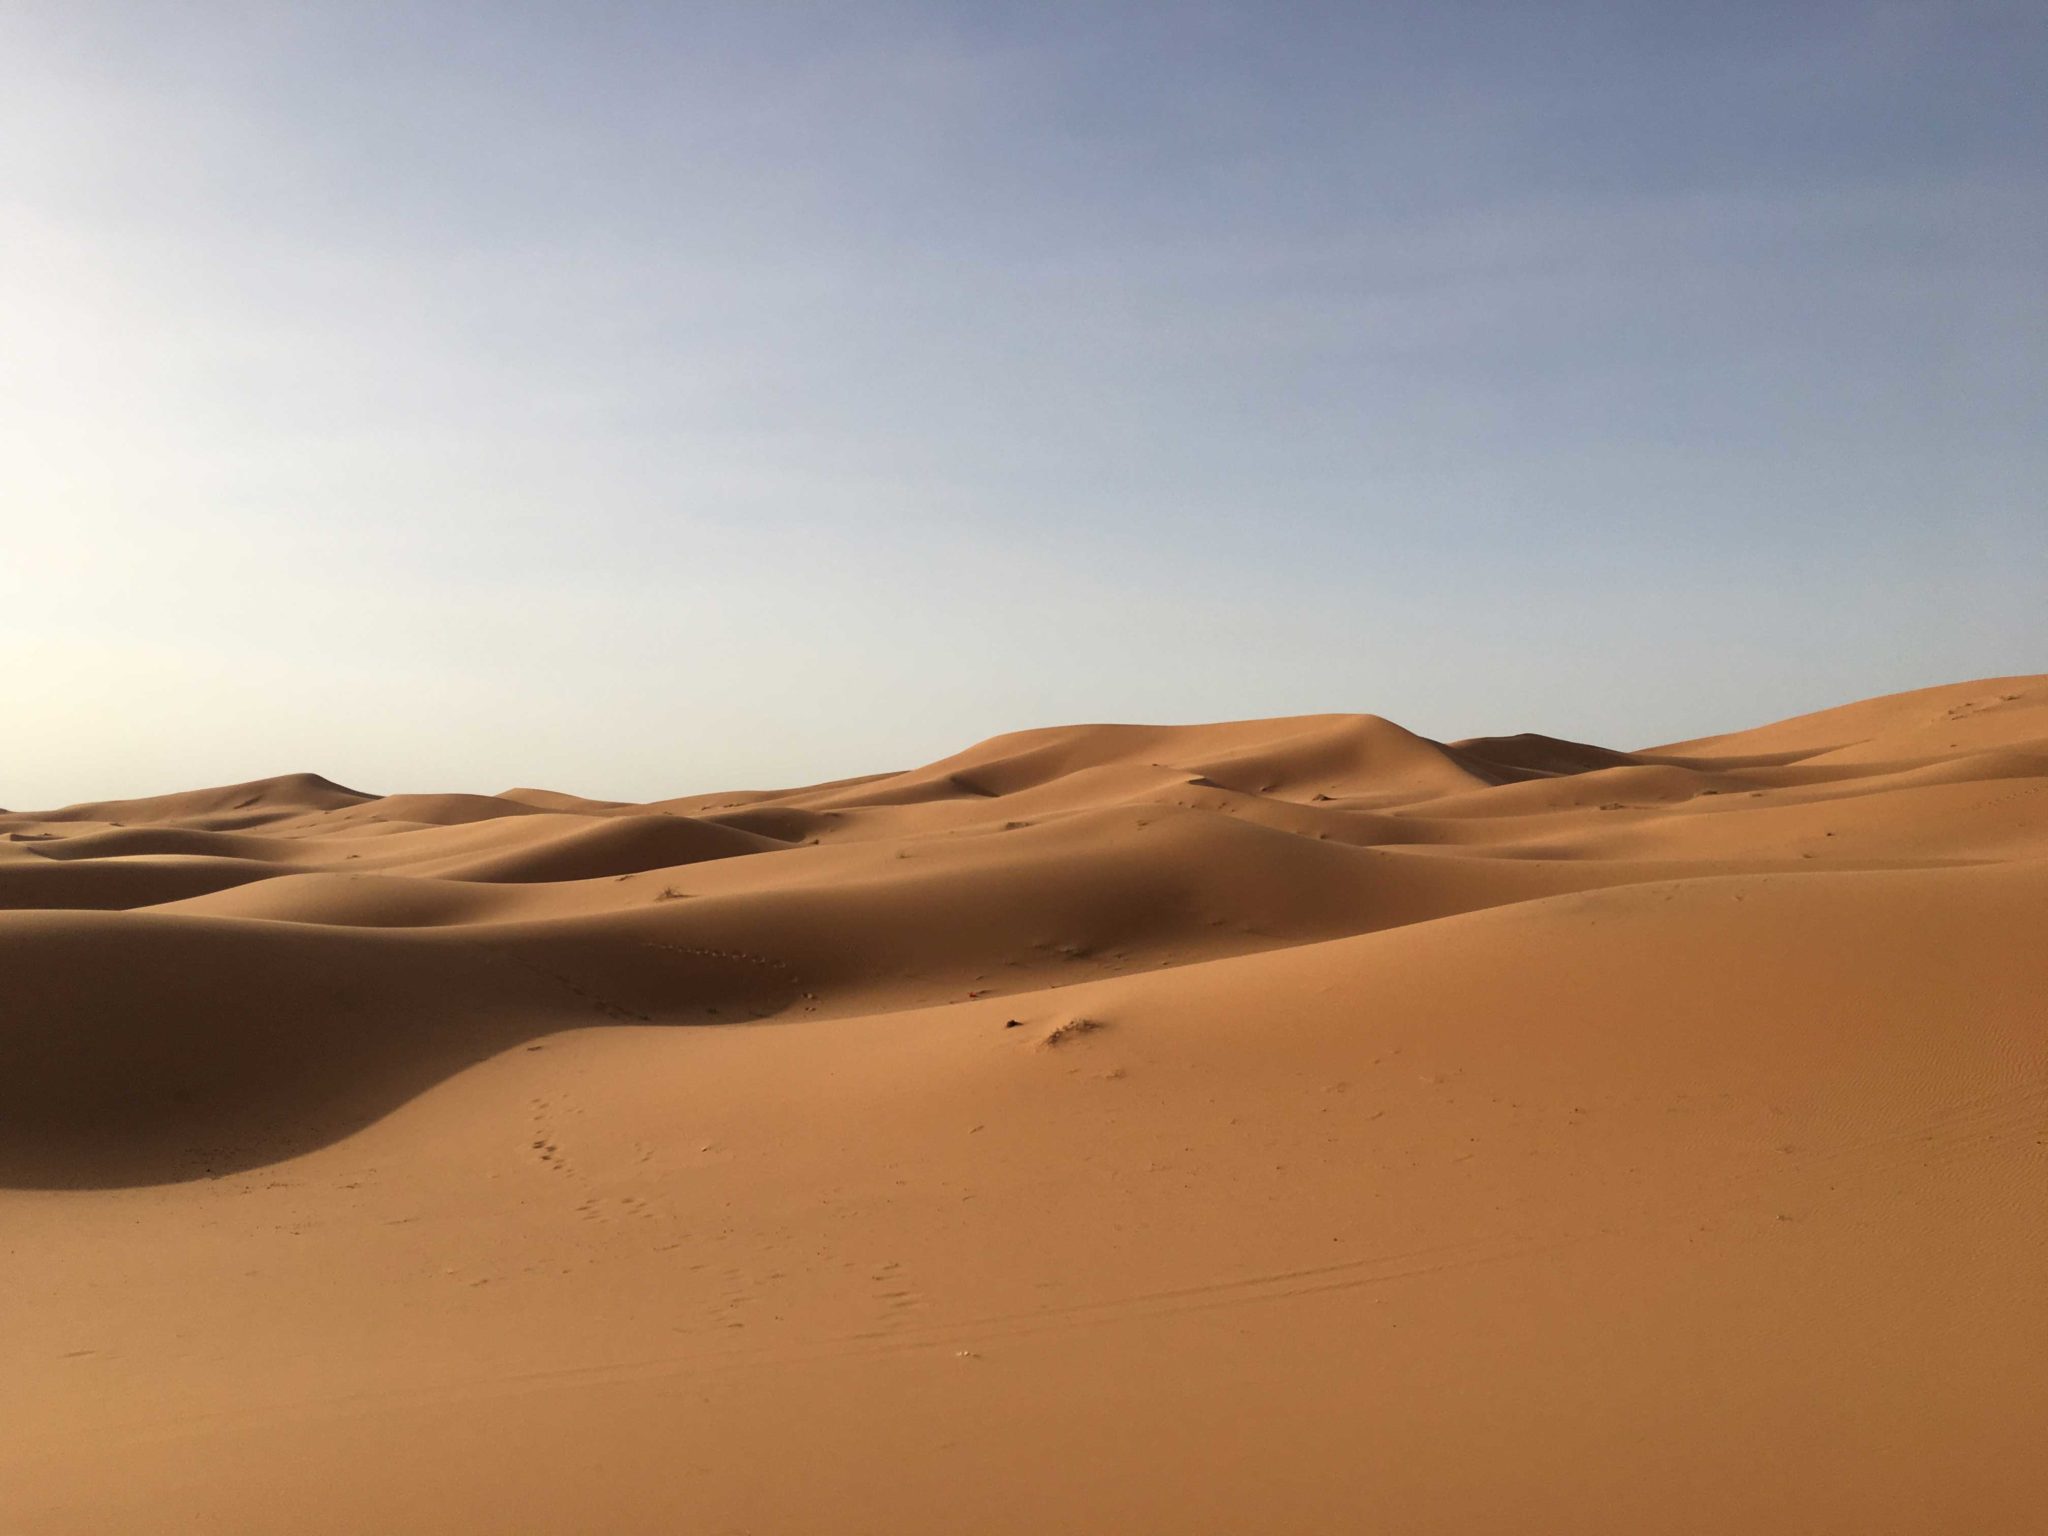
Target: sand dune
(1293,1125)
(251,804)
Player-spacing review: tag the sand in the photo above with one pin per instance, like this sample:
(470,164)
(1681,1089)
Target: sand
(1287,1126)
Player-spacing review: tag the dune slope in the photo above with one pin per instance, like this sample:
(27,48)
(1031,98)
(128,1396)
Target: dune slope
(1292,1125)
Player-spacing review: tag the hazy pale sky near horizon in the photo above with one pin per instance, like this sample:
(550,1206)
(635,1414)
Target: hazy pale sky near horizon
(639,399)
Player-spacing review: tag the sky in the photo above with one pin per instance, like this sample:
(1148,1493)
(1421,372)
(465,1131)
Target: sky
(644,399)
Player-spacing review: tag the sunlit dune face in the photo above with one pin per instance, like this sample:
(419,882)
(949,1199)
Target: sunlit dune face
(1007,1111)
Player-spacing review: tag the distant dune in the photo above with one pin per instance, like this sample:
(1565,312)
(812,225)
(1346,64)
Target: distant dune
(1291,1125)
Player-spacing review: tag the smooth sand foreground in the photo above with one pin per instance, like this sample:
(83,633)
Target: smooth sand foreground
(1287,1126)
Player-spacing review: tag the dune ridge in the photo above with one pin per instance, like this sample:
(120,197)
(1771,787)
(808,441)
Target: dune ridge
(1030,861)
(1426,1094)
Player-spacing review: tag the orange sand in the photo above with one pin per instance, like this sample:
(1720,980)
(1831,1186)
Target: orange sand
(1287,1126)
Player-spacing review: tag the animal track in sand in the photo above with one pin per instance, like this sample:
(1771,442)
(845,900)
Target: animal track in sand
(609,1009)
(543,1144)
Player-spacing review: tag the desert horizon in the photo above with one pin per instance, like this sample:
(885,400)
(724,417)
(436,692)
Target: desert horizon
(1291,1124)
(1552,1042)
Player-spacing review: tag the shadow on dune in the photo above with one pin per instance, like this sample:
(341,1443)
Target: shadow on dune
(141,1048)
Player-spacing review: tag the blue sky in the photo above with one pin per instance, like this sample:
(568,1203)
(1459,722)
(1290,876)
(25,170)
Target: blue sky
(638,399)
